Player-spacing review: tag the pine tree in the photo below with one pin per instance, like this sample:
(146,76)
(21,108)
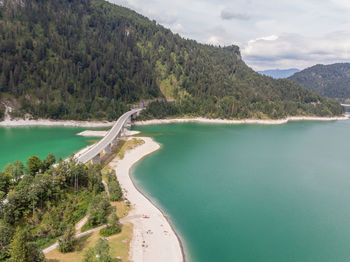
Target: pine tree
(20,250)
(113,221)
(18,247)
(34,165)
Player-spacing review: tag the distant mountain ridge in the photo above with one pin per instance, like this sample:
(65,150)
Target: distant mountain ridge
(279,73)
(331,81)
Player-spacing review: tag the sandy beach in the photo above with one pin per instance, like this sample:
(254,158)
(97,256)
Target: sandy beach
(94,124)
(154,240)
(241,121)
(93,133)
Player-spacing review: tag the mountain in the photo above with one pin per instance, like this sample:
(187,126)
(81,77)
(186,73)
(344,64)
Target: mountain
(279,73)
(90,59)
(332,81)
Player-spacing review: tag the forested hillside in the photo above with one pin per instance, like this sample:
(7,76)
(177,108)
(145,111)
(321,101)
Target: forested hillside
(327,80)
(89,59)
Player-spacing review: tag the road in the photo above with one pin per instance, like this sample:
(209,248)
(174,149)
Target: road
(111,135)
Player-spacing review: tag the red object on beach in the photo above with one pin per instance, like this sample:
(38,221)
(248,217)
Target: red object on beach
(146,217)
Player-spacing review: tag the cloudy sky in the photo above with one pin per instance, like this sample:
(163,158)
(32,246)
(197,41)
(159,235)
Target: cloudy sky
(271,33)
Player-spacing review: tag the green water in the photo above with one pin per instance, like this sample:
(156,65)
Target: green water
(253,193)
(19,143)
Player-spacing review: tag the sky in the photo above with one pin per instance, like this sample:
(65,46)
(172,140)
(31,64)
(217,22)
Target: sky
(271,33)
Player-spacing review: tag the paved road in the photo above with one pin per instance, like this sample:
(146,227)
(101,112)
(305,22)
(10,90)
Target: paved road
(111,135)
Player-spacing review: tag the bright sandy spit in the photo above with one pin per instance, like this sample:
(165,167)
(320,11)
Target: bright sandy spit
(153,240)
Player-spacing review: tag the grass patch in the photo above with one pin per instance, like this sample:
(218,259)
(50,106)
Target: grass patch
(122,208)
(130,144)
(82,244)
(46,242)
(119,245)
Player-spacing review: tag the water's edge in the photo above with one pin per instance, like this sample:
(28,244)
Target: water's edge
(153,202)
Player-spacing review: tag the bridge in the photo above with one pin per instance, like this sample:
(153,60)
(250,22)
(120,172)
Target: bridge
(106,143)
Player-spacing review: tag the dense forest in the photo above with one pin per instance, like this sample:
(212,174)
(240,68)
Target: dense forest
(40,202)
(89,59)
(332,81)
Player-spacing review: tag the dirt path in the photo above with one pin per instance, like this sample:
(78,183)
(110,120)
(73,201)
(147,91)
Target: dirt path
(54,246)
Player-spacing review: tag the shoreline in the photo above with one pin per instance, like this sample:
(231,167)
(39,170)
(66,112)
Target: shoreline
(237,122)
(48,122)
(167,219)
(96,124)
(154,237)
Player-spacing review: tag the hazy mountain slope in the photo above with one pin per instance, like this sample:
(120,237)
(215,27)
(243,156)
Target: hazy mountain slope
(279,73)
(89,59)
(327,80)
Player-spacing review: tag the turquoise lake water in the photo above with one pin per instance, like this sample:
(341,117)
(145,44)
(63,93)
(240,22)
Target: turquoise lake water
(19,143)
(249,193)
(253,193)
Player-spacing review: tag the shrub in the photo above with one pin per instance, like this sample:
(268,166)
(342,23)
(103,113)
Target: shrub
(112,228)
(115,191)
(109,231)
(102,249)
(67,241)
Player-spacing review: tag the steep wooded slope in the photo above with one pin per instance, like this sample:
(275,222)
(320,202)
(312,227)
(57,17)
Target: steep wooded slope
(89,59)
(327,80)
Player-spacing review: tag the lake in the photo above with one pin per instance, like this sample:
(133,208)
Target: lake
(19,143)
(253,192)
(234,192)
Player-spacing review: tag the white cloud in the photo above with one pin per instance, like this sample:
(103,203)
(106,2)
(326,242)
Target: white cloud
(178,29)
(167,17)
(213,40)
(294,50)
(217,35)
(229,14)
(342,3)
